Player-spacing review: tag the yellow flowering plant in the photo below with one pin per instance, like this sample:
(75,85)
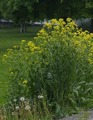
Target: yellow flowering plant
(58,62)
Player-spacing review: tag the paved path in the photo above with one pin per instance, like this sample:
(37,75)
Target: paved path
(82,116)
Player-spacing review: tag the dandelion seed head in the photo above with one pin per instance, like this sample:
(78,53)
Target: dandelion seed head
(22,99)
(27,107)
(17,107)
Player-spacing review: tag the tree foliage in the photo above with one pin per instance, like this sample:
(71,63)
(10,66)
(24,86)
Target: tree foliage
(58,8)
(89,8)
(17,10)
(21,11)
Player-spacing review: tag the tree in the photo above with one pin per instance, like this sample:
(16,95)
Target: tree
(75,9)
(58,8)
(17,10)
(22,11)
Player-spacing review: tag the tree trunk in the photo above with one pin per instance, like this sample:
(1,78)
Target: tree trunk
(22,28)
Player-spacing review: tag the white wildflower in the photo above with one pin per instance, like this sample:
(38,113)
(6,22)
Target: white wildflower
(17,107)
(22,99)
(40,96)
(27,107)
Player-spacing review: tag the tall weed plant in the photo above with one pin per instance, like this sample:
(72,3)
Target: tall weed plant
(58,64)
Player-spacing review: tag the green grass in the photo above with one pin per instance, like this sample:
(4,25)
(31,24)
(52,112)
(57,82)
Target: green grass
(10,37)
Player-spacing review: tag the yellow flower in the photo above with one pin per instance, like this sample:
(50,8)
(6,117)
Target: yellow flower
(76,42)
(87,36)
(54,21)
(67,28)
(56,27)
(48,25)
(24,82)
(61,20)
(91,34)
(30,44)
(82,34)
(5,56)
(75,33)
(15,47)
(23,41)
(34,48)
(42,31)
(68,19)
(72,23)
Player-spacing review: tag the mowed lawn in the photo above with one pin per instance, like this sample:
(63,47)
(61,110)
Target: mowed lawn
(10,37)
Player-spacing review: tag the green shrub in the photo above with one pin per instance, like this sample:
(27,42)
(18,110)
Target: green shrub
(58,64)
